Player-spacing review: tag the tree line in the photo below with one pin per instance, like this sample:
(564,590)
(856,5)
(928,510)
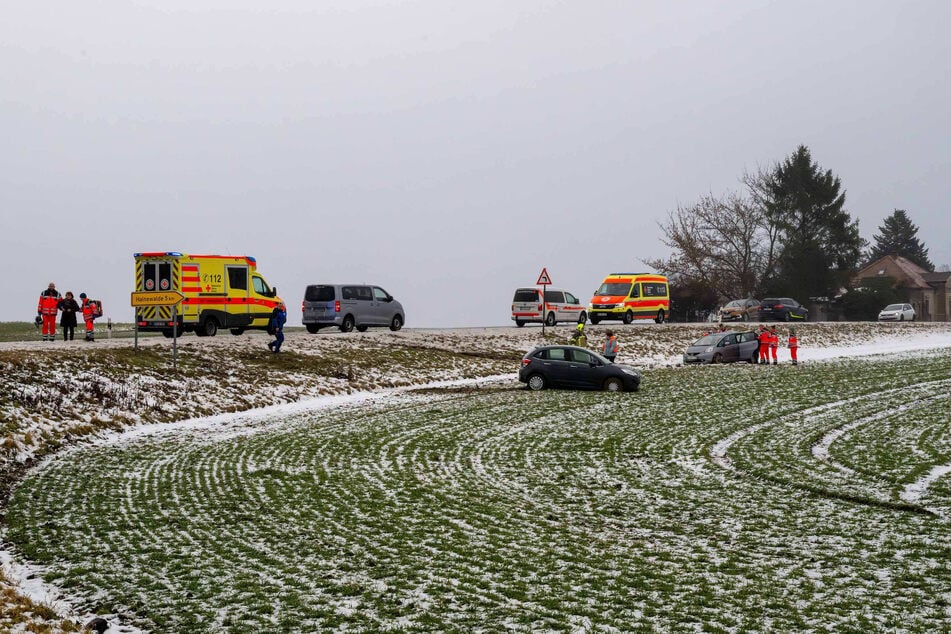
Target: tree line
(785,233)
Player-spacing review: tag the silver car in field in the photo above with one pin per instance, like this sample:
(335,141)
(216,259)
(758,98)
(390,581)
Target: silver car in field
(723,347)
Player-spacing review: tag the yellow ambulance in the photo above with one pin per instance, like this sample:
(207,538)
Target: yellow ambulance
(221,291)
(630,296)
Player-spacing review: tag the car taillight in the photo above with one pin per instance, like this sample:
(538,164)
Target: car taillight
(778,306)
(302,306)
(337,306)
(526,361)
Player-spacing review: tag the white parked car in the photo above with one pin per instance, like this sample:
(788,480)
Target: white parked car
(897,312)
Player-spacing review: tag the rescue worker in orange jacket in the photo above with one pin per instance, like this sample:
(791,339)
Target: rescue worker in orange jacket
(89,315)
(46,308)
(793,346)
(763,339)
(773,343)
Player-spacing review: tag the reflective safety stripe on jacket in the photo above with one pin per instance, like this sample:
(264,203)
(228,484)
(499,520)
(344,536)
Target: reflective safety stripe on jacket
(49,303)
(89,311)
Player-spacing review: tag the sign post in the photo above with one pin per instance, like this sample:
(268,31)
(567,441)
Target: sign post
(159,298)
(544,280)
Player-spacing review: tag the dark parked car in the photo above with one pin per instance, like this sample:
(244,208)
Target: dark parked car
(782,309)
(574,367)
(740,310)
(723,347)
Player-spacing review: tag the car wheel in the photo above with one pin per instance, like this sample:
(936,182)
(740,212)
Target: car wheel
(550,320)
(536,382)
(396,323)
(237,331)
(207,329)
(347,325)
(786,316)
(362,328)
(746,316)
(519,323)
(901,317)
(660,316)
(312,328)
(595,320)
(628,317)
(583,317)
(717,358)
(168,333)
(613,384)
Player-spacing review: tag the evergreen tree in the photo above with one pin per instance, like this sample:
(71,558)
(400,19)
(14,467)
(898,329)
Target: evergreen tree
(819,241)
(899,236)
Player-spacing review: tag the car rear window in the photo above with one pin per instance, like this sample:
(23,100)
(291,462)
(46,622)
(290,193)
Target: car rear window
(526,295)
(319,293)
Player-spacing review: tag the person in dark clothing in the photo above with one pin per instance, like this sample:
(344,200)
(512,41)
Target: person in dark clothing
(67,320)
(276,327)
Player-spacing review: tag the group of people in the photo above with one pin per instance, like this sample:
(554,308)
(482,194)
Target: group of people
(609,348)
(51,303)
(769,343)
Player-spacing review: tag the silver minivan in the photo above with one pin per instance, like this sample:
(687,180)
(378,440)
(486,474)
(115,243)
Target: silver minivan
(350,306)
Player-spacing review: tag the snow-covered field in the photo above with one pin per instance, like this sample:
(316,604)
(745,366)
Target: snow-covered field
(733,498)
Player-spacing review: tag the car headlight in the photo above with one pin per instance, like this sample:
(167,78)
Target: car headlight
(629,371)
(710,349)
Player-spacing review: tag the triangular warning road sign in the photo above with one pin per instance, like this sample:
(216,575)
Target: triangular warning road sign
(543,279)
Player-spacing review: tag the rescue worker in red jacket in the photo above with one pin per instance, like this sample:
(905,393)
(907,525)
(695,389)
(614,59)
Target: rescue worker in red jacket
(46,308)
(89,314)
(773,343)
(610,346)
(793,346)
(763,339)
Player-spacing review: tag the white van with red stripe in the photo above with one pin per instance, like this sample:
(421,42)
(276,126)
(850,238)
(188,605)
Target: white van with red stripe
(221,291)
(529,306)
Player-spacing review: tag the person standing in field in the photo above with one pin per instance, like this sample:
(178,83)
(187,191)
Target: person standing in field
(46,308)
(773,343)
(578,338)
(793,343)
(67,320)
(610,346)
(89,309)
(276,327)
(763,339)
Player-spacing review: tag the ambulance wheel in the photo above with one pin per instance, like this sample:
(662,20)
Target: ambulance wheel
(237,331)
(595,320)
(613,384)
(660,316)
(397,323)
(628,317)
(312,328)
(536,382)
(208,329)
(519,323)
(550,320)
(362,328)
(347,325)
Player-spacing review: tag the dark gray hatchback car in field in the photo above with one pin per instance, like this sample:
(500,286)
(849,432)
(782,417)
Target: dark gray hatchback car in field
(723,347)
(575,367)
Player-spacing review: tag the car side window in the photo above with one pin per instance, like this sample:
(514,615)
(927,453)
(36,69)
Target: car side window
(635,290)
(580,356)
(348,292)
(379,294)
(556,354)
(364,293)
(729,340)
(571,299)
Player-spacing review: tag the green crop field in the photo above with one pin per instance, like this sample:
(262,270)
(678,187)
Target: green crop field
(716,499)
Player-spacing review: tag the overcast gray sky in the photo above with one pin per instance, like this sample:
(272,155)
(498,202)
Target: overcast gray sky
(446,151)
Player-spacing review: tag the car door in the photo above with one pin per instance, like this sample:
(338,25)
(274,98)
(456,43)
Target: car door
(747,346)
(585,369)
(381,307)
(729,348)
(557,367)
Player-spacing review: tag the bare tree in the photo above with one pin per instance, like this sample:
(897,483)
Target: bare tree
(727,244)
